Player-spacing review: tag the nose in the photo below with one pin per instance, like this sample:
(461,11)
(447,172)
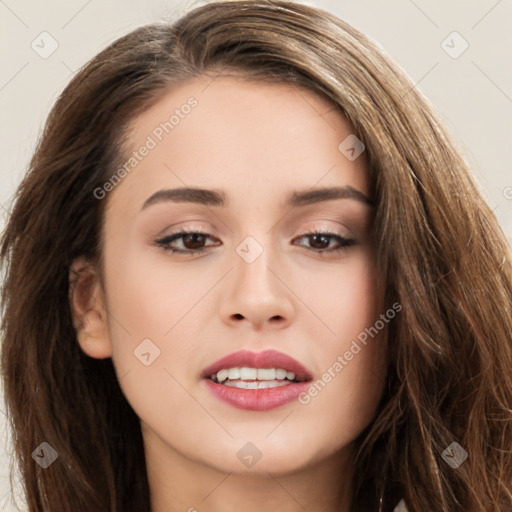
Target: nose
(257,293)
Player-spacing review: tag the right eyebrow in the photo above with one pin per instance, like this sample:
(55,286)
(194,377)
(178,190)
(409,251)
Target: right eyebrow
(189,195)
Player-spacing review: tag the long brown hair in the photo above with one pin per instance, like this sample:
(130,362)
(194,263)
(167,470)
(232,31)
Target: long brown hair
(440,251)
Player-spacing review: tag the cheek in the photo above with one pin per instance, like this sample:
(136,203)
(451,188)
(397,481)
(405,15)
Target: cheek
(149,301)
(144,319)
(344,402)
(353,355)
(345,296)
(153,327)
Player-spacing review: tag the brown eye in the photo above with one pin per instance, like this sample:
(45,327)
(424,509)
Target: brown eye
(320,241)
(192,242)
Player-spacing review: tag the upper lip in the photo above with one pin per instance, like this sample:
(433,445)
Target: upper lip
(265,359)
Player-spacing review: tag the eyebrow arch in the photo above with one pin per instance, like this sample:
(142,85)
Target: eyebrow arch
(218,197)
(317,195)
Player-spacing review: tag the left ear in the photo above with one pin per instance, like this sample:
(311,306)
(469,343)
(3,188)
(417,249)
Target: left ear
(87,302)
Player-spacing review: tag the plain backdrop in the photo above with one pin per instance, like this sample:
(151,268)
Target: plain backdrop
(467,76)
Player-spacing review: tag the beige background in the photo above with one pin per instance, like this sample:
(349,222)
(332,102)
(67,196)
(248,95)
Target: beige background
(473,92)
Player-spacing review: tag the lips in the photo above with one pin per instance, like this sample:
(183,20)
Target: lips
(274,394)
(266,359)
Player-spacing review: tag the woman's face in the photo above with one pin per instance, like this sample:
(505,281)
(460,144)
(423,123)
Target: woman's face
(262,282)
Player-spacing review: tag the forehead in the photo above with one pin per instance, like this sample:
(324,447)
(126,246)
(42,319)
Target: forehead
(247,137)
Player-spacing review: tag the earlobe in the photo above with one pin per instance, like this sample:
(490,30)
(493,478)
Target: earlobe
(87,303)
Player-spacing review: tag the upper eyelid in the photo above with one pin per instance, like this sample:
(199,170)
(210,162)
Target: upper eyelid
(311,225)
(305,231)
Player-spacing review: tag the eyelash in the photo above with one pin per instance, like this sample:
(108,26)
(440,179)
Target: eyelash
(165,241)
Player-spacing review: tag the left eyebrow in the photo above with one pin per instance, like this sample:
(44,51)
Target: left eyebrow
(295,199)
(317,195)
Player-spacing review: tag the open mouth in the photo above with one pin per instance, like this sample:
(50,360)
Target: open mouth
(255,378)
(256,381)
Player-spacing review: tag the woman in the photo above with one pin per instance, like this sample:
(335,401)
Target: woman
(248,269)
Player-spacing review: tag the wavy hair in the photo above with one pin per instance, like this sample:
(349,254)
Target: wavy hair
(442,254)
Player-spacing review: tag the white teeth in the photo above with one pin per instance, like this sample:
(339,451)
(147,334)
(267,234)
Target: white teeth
(281,374)
(242,384)
(252,374)
(247,373)
(222,375)
(234,373)
(266,374)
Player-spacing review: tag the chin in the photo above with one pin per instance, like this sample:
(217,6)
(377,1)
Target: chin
(260,457)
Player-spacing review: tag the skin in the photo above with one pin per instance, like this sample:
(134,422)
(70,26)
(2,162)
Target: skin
(257,142)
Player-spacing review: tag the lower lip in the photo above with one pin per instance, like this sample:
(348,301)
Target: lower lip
(257,399)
